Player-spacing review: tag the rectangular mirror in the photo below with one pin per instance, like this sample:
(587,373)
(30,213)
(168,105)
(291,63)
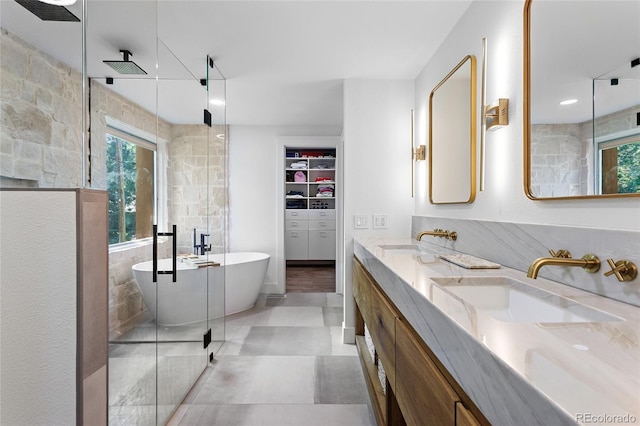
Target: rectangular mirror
(582,99)
(452,136)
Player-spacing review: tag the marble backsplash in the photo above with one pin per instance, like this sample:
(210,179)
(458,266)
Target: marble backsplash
(517,245)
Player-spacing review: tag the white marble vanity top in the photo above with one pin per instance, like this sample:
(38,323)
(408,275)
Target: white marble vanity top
(518,371)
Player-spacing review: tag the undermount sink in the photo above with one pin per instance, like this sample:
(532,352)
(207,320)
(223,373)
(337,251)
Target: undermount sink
(510,300)
(401,248)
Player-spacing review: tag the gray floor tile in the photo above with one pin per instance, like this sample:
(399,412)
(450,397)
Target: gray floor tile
(332,316)
(276,415)
(287,341)
(259,380)
(299,299)
(339,380)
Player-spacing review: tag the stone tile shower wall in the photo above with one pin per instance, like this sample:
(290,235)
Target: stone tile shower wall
(41,119)
(559,159)
(198,185)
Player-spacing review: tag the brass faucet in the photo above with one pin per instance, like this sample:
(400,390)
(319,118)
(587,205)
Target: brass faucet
(589,262)
(439,233)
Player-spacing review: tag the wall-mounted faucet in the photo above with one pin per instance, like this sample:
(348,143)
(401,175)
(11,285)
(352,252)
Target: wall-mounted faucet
(588,262)
(439,233)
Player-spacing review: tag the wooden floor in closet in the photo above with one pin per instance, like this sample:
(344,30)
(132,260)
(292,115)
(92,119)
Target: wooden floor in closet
(311,279)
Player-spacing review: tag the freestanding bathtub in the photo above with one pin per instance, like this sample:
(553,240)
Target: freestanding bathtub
(185,301)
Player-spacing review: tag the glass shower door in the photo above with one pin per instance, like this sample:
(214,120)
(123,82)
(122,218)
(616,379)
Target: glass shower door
(218,207)
(182,328)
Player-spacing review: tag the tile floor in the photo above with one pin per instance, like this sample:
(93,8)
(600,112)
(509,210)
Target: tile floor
(283,364)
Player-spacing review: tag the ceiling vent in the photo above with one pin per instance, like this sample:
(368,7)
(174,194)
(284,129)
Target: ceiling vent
(48,12)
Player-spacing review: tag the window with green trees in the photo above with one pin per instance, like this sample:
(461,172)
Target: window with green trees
(130,180)
(620,165)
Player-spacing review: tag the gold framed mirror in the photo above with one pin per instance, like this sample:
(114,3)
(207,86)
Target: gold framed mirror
(452,136)
(581,104)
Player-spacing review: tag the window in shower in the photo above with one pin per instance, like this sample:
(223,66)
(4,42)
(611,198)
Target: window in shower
(131,184)
(620,165)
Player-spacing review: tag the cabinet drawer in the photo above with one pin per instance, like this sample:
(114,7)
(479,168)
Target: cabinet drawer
(322,224)
(361,289)
(382,326)
(322,214)
(464,417)
(296,214)
(322,245)
(423,394)
(293,224)
(296,245)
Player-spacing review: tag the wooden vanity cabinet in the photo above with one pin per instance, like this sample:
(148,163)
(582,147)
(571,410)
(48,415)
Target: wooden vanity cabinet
(418,391)
(421,390)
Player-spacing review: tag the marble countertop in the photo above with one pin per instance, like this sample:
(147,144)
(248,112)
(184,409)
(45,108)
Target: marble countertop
(517,372)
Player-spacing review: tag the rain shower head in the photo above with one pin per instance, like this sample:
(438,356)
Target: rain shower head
(48,12)
(125,66)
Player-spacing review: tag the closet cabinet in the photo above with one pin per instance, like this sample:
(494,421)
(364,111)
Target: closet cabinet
(310,215)
(417,389)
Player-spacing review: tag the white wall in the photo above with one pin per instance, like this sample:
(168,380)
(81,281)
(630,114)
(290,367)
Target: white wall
(377,165)
(38,307)
(253,179)
(504,198)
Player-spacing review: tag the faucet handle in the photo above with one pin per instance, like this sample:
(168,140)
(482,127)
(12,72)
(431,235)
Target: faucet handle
(624,270)
(562,253)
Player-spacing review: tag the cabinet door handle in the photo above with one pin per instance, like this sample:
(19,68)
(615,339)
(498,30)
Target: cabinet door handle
(294,223)
(294,235)
(323,235)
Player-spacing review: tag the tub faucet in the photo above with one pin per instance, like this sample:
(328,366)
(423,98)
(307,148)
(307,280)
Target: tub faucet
(195,245)
(203,247)
(589,262)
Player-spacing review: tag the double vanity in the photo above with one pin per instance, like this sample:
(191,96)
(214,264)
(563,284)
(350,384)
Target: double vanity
(487,344)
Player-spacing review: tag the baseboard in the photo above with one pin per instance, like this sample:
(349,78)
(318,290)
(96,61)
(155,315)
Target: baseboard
(348,334)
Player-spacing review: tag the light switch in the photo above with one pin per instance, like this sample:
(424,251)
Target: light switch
(360,221)
(380,221)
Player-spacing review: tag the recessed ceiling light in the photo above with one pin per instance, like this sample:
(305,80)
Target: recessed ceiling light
(59,2)
(569,102)
(216,102)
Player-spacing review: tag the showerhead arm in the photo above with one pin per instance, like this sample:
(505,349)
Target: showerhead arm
(126,54)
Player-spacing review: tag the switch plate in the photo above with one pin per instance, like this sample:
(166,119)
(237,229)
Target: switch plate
(360,221)
(380,221)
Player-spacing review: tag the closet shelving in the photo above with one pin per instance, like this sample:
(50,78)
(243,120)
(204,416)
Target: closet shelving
(310,215)
(310,179)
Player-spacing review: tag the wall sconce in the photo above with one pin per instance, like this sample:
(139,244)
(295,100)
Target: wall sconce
(497,114)
(494,116)
(419,153)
